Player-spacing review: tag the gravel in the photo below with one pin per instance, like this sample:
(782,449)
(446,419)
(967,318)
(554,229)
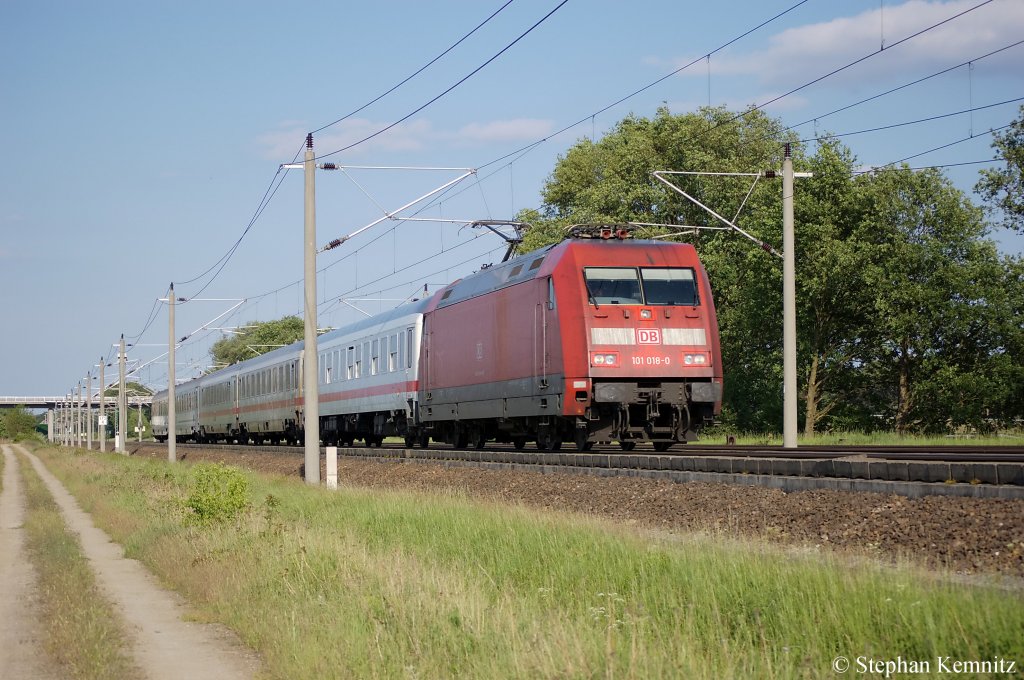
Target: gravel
(966,535)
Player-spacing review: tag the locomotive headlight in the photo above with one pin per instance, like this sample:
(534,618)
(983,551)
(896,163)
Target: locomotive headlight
(645,314)
(604,359)
(696,359)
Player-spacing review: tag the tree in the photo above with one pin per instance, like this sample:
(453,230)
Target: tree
(1003,189)
(17,423)
(937,289)
(131,389)
(255,338)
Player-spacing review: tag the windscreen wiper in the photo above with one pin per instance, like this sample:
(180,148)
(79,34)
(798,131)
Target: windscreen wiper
(590,294)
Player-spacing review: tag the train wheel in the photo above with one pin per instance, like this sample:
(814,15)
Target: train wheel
(410,441)
(661,447)
(627,446)
(519,443)
(424,440)
(581,441)
(479,439)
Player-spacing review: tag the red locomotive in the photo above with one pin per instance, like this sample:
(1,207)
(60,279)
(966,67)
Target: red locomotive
(596,338)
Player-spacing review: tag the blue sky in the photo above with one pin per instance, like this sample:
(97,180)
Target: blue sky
(139,139)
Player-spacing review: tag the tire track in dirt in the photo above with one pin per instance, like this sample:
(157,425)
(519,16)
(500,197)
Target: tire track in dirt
(22,651)
(165,645)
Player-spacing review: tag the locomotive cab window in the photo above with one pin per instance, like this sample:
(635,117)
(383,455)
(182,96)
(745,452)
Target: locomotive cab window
(670,286)
(648,285)
(613,285)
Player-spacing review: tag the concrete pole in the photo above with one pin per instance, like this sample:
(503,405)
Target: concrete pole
(78,415)
(122,401)
(789,428)
(88,410)
(310,369)
(172,415)
(140,419)
(49,425)
(103,408)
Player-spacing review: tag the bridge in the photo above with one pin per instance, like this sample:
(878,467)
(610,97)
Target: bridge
(34,402)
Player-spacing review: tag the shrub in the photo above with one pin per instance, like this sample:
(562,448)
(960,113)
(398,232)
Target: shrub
(217,492)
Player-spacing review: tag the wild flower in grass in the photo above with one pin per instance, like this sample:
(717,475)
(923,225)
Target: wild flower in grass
(608,613)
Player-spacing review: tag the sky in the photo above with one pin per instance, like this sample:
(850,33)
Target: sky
(141,141)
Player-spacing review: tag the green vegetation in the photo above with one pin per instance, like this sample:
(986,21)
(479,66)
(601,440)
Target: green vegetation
(131,389)
(17,424)
(84,634)
(909,317)
(256,338)
(718,435)
(1003,189)
(217,492)
(370,584)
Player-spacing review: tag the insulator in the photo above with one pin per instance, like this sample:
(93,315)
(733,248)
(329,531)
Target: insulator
(329,166)
(309,141)
(334,244)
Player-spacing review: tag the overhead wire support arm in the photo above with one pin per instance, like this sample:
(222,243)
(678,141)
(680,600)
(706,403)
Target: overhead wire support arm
(761,244)
(394,215)
(658,174)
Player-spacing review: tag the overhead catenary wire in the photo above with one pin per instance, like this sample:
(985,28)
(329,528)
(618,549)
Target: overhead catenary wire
(415,73)
(833,135)
(449,89)
(591,116)
(279,177)
(905,85)
(932,150)
(884,48)
(519,153)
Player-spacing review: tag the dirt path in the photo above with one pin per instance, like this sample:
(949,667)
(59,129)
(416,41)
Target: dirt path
(163,644)
(22,654)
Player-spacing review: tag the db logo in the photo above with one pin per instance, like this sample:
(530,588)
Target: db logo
(648,336)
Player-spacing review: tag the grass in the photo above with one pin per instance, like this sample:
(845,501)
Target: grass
(362,583)
(854,438)
(83,633)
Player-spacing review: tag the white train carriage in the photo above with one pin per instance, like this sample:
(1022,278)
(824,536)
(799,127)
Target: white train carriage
(369,378)
(218,412)
(186,400)
(267,397)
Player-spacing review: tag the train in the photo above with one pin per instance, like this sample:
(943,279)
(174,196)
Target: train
(597,338)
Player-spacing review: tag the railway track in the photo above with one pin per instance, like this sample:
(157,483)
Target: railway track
(953,471)
(937,454)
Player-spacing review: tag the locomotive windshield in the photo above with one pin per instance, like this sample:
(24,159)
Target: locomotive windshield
(638,286)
